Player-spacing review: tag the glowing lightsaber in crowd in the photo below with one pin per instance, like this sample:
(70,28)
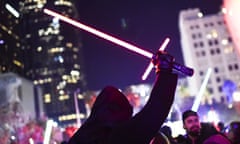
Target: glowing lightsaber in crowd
(198,98)
(77,108)
(176,66)
(48,132)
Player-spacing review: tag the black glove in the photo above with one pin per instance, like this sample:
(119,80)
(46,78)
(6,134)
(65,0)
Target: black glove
(163,61)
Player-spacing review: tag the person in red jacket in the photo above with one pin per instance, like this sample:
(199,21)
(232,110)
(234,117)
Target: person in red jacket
(111,120)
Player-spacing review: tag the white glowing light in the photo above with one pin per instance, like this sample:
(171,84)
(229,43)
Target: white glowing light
(1,41)
(198,98)
(77,108)
(236,96)
(75,72)
(12,10)
(48,132)
(31,141)
(213,117)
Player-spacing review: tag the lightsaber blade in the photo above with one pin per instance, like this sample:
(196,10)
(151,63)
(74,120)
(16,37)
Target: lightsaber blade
(150,65)
(100,34)
(176,66)
(48,132)
(199,96)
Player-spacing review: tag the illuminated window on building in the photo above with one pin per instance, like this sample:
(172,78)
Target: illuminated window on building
(228,50)
(47,98)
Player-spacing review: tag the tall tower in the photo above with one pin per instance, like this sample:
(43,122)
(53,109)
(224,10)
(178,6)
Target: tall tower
(11,59)
(54,57)
(206,43)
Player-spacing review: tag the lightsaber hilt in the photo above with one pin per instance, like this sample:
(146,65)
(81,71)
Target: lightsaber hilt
(183,69)
(163,60)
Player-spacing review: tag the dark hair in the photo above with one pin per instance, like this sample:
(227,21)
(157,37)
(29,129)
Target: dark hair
(188,113)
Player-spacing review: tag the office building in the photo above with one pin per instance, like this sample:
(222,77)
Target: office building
(206,43)
(55,65)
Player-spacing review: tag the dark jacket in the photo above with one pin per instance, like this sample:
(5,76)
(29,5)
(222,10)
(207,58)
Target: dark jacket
(139,129)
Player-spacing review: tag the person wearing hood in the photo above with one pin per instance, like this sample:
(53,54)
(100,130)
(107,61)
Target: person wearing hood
(111,120)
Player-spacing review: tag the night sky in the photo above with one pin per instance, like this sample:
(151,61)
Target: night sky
(144,23)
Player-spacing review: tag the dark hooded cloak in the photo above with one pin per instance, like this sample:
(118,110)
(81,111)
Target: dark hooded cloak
(111,121)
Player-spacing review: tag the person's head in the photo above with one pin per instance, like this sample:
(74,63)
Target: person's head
(160,138)
(166,130)
(111,106)
(220,126)
(191,123)
(233,132)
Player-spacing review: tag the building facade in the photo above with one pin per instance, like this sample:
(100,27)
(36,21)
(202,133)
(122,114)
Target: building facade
(206,43)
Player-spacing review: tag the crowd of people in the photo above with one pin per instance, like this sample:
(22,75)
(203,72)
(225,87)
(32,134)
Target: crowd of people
(111,120)
(198,132)
(207,133)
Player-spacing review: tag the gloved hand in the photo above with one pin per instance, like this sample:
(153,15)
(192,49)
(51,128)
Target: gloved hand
(163,61)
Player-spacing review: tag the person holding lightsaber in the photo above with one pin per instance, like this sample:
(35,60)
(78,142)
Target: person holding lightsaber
(111,120)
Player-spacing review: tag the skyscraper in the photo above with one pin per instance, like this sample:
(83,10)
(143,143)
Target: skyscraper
(54,57)
(207,43)
(11,59)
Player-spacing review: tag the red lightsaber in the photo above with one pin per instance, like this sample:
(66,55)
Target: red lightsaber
(99,33)
(178,67)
